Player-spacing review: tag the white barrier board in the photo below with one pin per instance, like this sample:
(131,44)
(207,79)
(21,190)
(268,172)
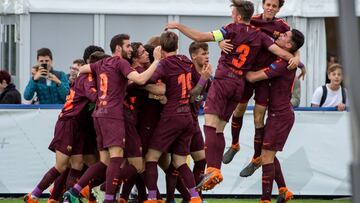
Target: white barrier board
(315,159)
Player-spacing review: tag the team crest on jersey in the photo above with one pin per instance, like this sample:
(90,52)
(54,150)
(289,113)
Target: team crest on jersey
(276,34)
(273,66)
(69,148)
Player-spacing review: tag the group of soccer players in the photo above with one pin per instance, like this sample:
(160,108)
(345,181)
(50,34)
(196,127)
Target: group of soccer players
(146,112)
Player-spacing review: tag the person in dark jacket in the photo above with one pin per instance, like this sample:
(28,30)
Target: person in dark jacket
(8,93)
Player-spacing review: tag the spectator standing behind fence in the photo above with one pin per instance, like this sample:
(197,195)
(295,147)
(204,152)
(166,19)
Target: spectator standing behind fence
(74,70)
(51,86)
(332,94)
(8,93)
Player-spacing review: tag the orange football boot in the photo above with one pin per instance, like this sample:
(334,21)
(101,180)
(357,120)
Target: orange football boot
(195,200)
(285,195)
(85,192)
(121,200)
(29,199)
(211,178)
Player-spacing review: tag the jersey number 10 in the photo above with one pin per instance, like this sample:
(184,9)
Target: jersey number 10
(185,81)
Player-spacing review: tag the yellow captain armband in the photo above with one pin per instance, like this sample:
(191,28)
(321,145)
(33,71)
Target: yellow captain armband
(218,36)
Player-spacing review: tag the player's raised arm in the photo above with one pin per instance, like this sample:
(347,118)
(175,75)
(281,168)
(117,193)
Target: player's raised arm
(252,76)
(85,69)
(143,77)
(191,33)
(295,62)
(157,89)
(275,49)
(205,75)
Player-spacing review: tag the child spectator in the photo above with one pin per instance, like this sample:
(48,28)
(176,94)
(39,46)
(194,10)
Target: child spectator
(332,94)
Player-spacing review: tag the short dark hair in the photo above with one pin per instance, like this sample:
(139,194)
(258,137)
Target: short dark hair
(244,8)
(44,52)
(81,62)
(118,40)
(97,55)
(134,54)
(4,75)
(169,41)
(297,40)
(281,2)
(195,46)
(91,49)
(150,49)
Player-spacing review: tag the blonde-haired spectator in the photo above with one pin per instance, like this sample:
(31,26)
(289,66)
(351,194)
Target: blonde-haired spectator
(332,94)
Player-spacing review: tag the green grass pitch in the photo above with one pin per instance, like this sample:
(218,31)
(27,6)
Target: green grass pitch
(19,200)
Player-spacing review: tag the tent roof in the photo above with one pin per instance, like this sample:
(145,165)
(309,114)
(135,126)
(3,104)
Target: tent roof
(301,8)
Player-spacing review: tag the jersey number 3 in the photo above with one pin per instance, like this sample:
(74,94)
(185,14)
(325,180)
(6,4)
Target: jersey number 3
(243,51)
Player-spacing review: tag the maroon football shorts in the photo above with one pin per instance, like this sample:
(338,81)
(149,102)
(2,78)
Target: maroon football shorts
(223,97)
(173,134)
(277,130)
(87,128)
(133,147)
(146,132)
(67,138)
(261,89)
(109,133)
(197,140)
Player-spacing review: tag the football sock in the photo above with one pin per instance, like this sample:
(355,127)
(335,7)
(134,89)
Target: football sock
(198,171)
(188,177)
(258,141)
(236,124)
(72,178)
(171,180)
(127,187)
(95,172)
(180,186)
(151,178)
(268,173)
(279,178)
(59,185)
(45,182)
(113,172)
(140,185)
(214,147)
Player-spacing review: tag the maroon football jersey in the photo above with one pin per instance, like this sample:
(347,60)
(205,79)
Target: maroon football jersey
(133,98)
(175,73)
(149,115)
(247,41)
(111,85)
(195,106)
(281,86)
(271,28)
(81,92)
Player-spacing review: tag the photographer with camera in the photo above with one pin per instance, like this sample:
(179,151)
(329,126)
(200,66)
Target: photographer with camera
(50,86)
